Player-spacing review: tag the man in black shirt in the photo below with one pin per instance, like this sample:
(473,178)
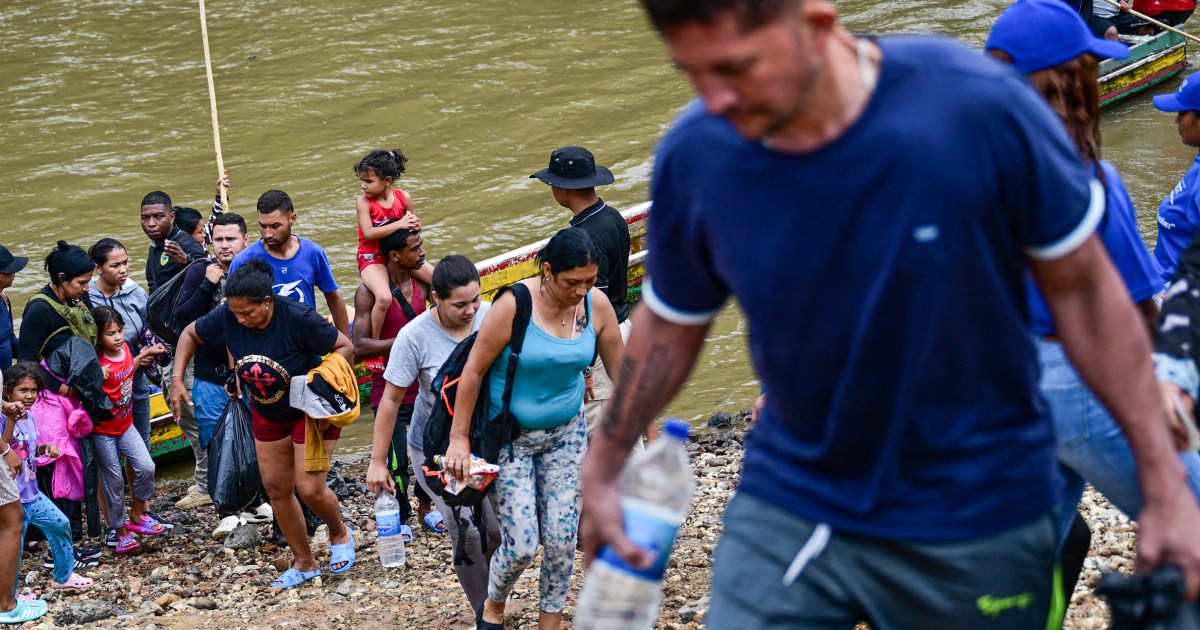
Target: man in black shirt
(573,177)
(171,249)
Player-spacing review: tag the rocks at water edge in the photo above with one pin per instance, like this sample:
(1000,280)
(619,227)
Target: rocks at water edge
(87,611)
(244,536)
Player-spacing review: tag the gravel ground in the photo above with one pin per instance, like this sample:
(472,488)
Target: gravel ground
(187,580)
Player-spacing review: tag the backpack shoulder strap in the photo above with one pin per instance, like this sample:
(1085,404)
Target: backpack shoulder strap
(519,326)
(398,294)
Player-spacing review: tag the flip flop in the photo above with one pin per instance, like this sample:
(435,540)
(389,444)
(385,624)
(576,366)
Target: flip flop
(73,582)
(147,527)
(292,577)
(434,522)
(342,553)
(406,534)
(25,611)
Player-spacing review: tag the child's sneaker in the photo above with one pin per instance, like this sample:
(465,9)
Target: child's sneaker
(126,544)
(164,522)
(110,537)
(90,553)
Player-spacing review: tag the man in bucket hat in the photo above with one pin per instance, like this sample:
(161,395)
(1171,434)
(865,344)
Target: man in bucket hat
(573,177)
(9,266)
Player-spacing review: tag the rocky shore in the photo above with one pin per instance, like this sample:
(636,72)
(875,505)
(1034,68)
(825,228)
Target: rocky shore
(188,580)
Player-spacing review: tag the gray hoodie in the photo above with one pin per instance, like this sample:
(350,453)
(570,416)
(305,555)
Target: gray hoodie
(130,301)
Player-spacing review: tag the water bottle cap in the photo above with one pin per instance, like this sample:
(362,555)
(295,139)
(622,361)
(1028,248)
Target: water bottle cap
(677,428)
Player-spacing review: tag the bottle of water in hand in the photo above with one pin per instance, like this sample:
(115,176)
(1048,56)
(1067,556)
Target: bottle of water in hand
(387,525)
(657,489)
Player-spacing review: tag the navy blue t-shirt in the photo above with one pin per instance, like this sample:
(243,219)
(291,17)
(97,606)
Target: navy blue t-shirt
(881,276)
(267,360)
(1124,243)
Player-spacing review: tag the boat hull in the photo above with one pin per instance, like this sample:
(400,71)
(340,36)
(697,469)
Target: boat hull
(1149,63)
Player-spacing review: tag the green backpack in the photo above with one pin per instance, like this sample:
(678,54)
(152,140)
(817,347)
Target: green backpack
(79,321)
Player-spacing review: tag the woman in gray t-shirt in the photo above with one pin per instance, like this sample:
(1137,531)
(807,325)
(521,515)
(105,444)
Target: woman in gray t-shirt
(418,353)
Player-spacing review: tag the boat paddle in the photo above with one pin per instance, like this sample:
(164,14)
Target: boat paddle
(1115,4)
(212,103)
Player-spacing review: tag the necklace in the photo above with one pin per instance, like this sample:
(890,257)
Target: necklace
(542,324)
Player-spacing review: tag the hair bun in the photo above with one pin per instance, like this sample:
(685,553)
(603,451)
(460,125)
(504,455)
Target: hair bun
(63,245)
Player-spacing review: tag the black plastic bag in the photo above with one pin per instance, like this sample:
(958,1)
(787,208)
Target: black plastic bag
(233,478)
(1149,602)
(160,308)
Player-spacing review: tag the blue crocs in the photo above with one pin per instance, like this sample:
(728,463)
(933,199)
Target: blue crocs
(342,554)
(292,577)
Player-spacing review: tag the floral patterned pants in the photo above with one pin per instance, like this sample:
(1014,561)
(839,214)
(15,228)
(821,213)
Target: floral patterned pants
(536,497)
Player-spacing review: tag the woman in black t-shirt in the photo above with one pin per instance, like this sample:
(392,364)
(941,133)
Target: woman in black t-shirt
(272,340)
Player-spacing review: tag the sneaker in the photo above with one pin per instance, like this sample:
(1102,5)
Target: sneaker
(226,526)
(193,499)
(263,514)
(81,560)
(110,537)
(90,553)
(162,521)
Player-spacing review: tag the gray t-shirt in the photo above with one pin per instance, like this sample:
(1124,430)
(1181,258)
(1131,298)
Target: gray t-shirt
(417,354)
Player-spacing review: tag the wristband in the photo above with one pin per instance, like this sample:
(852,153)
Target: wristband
(174,376)
(7,450)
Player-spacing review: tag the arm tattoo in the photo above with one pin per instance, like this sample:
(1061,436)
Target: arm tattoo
(638,395)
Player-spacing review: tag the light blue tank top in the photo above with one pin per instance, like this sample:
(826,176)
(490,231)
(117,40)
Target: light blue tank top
(548,385)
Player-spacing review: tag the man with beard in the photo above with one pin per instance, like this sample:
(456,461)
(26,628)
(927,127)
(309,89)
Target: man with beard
(300,265)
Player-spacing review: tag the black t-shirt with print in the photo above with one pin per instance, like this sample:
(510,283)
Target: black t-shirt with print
(266,360)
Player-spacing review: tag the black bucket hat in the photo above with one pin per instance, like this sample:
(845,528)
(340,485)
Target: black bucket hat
(573,168)
(10,263)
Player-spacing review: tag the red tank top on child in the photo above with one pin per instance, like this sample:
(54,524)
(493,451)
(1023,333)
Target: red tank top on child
(119,387)
(379,216)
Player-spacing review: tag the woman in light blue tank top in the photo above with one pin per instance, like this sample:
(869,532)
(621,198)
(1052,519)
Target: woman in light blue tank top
(536,493)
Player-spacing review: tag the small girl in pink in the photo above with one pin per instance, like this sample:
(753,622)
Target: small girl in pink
(379,204)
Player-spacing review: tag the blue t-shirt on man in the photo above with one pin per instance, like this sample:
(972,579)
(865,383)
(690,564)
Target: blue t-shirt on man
(1178,221)
(1118,230)
(882,278)
(297,276)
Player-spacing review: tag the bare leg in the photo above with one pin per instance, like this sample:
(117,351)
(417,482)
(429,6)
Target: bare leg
(549,621)
(137,508)
(1111,33)
(318,497)
(493,611)
(12,520)
(275,463)
(375,277)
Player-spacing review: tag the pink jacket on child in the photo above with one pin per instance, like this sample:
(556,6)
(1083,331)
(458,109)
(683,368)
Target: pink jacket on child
(61,421)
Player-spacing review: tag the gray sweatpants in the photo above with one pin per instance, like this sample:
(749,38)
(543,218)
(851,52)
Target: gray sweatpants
(109,449)
(472,577)
(773,570)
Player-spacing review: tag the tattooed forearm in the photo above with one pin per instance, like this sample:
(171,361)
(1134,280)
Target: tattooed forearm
(643,388)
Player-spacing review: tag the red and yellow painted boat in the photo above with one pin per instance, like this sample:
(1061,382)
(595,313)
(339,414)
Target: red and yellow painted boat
(1151,61)
(166,437)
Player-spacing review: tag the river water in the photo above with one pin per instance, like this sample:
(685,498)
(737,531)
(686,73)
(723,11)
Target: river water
(104,101)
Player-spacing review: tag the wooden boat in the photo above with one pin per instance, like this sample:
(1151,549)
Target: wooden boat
(1151,61)
(166,437)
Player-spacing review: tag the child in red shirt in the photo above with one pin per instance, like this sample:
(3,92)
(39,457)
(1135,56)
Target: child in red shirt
(113,436)
(379,204)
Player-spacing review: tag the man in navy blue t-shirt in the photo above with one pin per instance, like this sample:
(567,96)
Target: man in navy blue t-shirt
(299,264)
(873,205)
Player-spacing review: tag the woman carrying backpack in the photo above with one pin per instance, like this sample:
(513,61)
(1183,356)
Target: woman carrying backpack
(536,494)
(420,349)
(60,311)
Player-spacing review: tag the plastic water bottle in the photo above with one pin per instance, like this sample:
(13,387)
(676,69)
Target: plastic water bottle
(387,524)
(658,485)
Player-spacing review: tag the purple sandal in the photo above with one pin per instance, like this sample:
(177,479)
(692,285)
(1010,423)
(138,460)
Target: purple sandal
(148,527)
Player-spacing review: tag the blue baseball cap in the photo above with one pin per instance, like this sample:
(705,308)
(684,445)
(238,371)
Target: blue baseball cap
(1040,34)
(1187,97)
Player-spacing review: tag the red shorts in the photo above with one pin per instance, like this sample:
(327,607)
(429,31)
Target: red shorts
(265,430)
(366,260)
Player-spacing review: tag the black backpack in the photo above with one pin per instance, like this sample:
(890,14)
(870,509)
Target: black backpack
(488,434)
(160,308)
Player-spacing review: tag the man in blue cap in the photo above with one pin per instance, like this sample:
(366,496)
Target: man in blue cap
(1179,213)
(875,220)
